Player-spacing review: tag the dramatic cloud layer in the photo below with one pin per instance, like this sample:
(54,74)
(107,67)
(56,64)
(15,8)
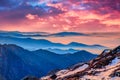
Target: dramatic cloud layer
(60,15)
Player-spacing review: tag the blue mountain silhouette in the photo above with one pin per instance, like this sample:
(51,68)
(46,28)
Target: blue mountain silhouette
(16,62)
(39,34)
(64,34)
(33,44)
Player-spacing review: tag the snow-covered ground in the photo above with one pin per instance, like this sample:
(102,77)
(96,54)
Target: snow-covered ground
(92,72)
(103,75)
(104,72)
(70,72)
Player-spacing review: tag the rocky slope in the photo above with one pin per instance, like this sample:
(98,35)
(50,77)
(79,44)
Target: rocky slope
(105,67)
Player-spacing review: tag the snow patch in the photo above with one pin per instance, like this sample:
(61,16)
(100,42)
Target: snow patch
(115,61)
(83,67)
(115,78)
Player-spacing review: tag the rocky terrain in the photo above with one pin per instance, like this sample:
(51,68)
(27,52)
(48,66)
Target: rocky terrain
(105,67)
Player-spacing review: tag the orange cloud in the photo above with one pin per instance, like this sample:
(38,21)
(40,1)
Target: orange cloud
(30,16)
(111,22)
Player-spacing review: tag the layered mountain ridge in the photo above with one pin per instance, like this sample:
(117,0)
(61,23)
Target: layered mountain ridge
(43,43)
(17,62)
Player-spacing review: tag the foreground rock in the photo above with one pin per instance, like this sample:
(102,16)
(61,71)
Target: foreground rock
(105,67)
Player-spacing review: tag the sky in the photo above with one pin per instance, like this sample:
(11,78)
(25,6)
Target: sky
(60,15)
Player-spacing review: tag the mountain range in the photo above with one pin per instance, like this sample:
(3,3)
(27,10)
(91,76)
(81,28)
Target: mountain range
(64,34)
(40,34)
(58,34)
(23,34)
(62,51)
(43,43)
(17,62)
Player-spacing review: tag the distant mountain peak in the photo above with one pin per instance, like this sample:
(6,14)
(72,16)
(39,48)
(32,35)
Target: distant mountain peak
(76,44)
(63,34)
